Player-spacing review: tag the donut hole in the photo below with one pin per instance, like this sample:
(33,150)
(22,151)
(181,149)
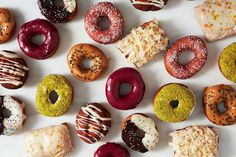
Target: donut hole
(6,113)
(174,103)
(38,39)
(124,89)
(186,57)
(87,63)
(53,97)
(104,23)
(222,108)
(58,3)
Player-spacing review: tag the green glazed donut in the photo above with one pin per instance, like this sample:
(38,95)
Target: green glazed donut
(227,62)
(174,103)
(64,90)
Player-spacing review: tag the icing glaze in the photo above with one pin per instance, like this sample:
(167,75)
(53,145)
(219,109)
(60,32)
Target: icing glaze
(70,5)
(11,71)
(146,124)
(156,3)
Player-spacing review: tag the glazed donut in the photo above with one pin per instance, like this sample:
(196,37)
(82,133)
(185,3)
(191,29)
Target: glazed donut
(192,43)
(56,85)
(58,14)
(86,51)
(7,25)
(149,5)
(93,122)
(111,149)
(134,97)
(215,95)
(227,62)
(93,17)
(139,132)
(174,103)
(32,28)
(13,123)
(13,70)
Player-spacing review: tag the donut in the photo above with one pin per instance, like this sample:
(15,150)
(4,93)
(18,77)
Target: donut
(195,141)
(86,51)
(215,95)
(114,82)
(192,43)
(13,70)
(139,132)
(227,62)
(149,5)
(35,27)
(12,115)
(54,95)
(174,103)
(56,13)
(94,16)
(7,25)
(93,122)
(52,141)
(111,149)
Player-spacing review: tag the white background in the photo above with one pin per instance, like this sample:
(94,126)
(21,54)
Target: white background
(177,19)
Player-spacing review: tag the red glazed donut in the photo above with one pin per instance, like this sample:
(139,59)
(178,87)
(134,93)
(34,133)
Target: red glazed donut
(192,43)
(111,149)
(32,28)
(134,97)
(94,15)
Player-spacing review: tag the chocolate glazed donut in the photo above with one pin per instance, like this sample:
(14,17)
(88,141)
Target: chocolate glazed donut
(58,14)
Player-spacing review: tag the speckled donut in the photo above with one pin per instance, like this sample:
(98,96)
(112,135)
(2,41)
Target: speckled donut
(86,51)
(93,17)
(7,25)
(140,133)
(54,84)
(149,5)
(58,14)
(11,122)
(215,95)
(227,62)
(192,43)
(174,103)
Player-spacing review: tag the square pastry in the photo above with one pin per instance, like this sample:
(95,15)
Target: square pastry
(195,141)
(217,18)
(53,141)
(143,43)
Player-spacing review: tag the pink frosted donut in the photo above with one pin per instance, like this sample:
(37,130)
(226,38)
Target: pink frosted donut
(192,43)
(93,17)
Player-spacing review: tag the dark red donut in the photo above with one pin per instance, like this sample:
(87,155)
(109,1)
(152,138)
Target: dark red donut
(192,43)
(111,149)
(35,27)
(134,97)
(94,15)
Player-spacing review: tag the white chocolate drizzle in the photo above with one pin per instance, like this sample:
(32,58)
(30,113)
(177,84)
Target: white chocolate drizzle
(11,71)
(70,5)
(156,3)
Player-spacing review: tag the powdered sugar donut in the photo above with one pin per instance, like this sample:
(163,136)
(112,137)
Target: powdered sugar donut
(93,17)
(10,125)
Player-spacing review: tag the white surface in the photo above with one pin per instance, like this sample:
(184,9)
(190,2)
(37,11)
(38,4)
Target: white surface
(177,19)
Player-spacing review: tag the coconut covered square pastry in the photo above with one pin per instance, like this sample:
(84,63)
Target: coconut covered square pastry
(143,43)
(53,141)
(217,18)
(195,141)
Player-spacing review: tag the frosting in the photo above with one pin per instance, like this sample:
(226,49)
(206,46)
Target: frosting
(156,3)
(15,122)
(146,124)
(11,71)
(92,122)
(70,5)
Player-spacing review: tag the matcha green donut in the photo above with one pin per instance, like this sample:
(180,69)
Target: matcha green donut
(227,62)
(174,103)
(64,90)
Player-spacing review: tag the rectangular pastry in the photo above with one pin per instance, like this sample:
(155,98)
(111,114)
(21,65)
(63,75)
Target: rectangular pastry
(53,141)
(195,141)
(217,18)
(143,43)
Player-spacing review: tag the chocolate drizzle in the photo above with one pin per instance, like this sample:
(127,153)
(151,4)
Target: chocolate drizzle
(133,136)
(1,115)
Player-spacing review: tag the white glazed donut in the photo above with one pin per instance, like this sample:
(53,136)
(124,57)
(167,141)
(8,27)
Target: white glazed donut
(14,123)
